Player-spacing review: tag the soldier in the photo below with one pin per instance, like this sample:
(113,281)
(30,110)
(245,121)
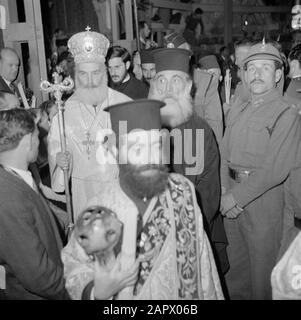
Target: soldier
(257,152)
(175,40)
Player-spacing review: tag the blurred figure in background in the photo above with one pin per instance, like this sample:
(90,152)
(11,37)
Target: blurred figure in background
(144,34)
(136,62)
(294,59)
(118,62)
(148,65)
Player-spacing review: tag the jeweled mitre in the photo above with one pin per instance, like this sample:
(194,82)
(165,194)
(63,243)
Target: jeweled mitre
(88,46)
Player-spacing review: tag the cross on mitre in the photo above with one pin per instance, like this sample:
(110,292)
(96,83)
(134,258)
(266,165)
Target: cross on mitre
(88,28)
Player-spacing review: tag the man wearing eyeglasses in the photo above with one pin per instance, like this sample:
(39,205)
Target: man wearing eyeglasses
(198,160)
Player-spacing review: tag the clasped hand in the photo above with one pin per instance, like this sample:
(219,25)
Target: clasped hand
(63,160)
(229,207)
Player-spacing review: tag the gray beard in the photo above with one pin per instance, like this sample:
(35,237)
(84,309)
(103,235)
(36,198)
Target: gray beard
(94,96)
(183,113)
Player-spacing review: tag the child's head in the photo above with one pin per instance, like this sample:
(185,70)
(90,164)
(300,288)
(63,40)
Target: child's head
(98,230)
(46,111)
(50,108)
(37,114)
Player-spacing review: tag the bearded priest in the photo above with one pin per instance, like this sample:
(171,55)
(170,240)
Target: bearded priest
(84,116)
(162,222)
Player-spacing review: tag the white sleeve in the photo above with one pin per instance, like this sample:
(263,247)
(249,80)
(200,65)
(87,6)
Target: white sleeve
(54,146)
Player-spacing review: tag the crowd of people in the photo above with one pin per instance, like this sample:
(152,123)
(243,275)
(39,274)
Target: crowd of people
(176,194)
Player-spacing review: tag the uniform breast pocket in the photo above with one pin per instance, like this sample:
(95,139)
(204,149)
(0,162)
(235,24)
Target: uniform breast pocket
(257,138)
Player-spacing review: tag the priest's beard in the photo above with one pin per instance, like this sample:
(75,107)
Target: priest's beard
(93,95)
(176,111)
(144,185)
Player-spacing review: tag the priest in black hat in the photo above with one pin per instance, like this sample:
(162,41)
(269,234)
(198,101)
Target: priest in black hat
(159,212)
(200,162)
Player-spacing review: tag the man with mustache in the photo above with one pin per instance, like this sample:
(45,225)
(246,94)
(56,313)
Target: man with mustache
(257,152)
(84,116)
(171,241)
(121,79)
(197,156)
(242,92)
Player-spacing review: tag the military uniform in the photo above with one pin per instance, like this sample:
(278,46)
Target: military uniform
(257,153)
(242,92)
(292,199)
(255,162)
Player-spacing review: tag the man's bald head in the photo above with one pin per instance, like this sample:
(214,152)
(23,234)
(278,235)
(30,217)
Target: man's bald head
(5,52)
(9,64)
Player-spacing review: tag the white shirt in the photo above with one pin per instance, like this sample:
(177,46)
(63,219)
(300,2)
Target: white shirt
(26,176)
(7,82)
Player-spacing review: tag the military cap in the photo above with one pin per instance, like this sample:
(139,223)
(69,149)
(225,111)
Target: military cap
(141,114)
(263,51)
(209,62)
(147,56)
(172,59)
(174,40)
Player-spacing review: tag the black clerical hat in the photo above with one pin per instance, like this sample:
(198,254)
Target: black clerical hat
(172,59)
(147,56)
(139,114)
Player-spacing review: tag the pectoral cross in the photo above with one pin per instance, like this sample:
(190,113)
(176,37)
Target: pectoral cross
(88,143)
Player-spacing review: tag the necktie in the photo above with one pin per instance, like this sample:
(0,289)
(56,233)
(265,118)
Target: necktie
(35,187)
(12,88)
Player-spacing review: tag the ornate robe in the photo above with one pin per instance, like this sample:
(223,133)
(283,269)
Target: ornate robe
(82,123)
(179,262)
(286,276)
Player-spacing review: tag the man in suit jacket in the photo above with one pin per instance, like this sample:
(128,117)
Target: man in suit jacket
(9,69)
(30,244)
(8,100)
